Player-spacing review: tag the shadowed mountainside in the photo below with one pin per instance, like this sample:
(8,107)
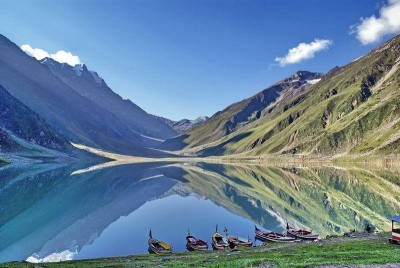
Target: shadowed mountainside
(88,84)
(22,122)
(69,114)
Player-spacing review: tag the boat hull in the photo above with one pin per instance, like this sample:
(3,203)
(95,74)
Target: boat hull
(218,243)
(301,234)
(153,250)
(190,247)
(273,237)
(158,247)
(235,242)
(194,244)
(303,237)
(219,247)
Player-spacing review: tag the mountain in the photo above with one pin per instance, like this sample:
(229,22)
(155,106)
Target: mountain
(184,125)
(91,86)
(17,120)
(71,115)
(353,109)
(240,114)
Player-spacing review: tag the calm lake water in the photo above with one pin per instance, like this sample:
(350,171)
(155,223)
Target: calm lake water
(51,213)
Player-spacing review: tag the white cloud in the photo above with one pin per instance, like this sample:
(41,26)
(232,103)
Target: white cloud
(66,57)
(303,51)
(35,52)
(60,56)
(373,28)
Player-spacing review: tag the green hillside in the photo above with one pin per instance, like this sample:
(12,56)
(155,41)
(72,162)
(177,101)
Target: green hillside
(353,110)
(242,113)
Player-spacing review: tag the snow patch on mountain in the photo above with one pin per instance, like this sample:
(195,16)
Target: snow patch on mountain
(313,81)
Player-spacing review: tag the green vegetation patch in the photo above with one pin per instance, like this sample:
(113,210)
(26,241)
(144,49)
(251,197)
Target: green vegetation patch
(287,255)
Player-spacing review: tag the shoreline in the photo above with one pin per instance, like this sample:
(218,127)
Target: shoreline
(388,160)
(335,251)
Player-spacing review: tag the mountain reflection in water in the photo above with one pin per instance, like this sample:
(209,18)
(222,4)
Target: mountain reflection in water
(47,214)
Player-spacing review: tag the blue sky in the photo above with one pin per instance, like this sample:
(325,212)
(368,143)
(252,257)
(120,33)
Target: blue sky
(182,59)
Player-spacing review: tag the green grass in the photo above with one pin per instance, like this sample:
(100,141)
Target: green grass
(345,251)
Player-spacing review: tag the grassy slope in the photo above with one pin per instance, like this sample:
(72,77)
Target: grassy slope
(338,251)
(353,109)
(242,113)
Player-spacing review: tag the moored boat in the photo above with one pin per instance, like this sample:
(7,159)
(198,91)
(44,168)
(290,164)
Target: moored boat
(157,246)
(194,244)
(235,241)
(300,234)
(268,236)
(218,241)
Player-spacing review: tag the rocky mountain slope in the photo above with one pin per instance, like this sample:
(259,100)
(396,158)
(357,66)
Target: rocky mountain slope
(17,119)
(91,86)
(184,125)
(71,115)
(240,114)
(353,110)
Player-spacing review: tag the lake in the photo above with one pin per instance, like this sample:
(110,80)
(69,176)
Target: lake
(51,212)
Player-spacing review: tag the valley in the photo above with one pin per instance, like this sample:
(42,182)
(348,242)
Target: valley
(199,133)
(350,113)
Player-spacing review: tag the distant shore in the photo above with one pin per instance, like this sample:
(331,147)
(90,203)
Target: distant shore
(115,159)
(245,159)
(332,252)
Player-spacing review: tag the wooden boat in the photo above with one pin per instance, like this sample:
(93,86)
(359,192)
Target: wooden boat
(158,247)
(269,236)
(301,234)
(218,241)
(194,244)
(235,241)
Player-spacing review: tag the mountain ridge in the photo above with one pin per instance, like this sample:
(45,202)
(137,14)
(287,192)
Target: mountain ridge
(183,125)
(243,112)
(90,85)
(69,114)
(353,110)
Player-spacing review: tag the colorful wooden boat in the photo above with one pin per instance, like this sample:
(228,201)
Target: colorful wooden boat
(269,236)
(194,244)
(235,241)
(157,246)
(300,234)
(218,241)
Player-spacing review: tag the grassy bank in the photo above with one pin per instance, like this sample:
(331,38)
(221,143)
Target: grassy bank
(365,250)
